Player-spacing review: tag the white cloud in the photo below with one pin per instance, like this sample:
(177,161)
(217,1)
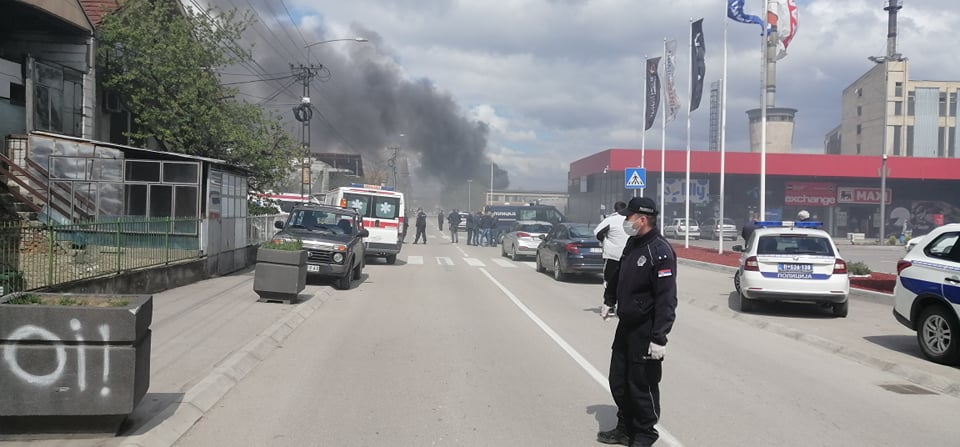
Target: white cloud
(558,80)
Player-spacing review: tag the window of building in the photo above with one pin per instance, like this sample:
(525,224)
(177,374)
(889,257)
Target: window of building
(909,141)
(859,91)
(911,103)
(898,89)
(898,108)
(896,139)
(953,105)
(859,111)
(858,148)
(58,99)
(952,152)
(859,128)
(943,103)
(942,142)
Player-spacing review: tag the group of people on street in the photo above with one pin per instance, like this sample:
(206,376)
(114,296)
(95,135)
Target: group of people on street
(640,288)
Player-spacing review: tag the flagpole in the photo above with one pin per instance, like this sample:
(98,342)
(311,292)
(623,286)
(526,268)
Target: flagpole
(643,123)
(663,146)
(763,119)
(686,215)
(723,132)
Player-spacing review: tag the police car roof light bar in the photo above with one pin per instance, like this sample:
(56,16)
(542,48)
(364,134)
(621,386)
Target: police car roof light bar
(788,224)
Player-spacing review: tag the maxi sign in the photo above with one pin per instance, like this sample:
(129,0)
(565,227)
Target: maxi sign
(810,194)
(862,196)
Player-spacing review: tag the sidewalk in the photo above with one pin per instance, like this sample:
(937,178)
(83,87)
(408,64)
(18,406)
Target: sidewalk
(206,337)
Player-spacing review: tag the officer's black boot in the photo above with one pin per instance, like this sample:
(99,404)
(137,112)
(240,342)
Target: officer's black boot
(615,436)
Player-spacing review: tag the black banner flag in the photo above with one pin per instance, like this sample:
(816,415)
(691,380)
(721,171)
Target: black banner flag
(652,96)
(698,64)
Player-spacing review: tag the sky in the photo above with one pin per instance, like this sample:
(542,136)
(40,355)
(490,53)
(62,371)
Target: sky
(533,85)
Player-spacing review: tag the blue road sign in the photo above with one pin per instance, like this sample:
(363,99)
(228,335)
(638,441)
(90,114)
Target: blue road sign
(635,178)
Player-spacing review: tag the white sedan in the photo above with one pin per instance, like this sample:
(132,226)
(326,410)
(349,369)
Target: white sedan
(523,238)
(792,263)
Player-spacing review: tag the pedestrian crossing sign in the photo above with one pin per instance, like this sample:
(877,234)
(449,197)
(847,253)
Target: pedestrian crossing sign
(635,178)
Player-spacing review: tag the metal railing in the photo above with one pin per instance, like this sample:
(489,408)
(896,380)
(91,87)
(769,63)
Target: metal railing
(35,255)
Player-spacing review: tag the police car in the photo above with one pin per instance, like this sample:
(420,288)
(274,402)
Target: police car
(792,261)
(927,294)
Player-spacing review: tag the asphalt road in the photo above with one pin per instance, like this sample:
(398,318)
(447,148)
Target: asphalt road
(456,346)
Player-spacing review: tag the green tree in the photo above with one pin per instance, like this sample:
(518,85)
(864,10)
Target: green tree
(163,60)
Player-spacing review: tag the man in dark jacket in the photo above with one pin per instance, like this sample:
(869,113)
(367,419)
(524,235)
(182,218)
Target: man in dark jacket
(421,226)
(471,227)
(646,303)
(748,228)
(440,217)
(454,222)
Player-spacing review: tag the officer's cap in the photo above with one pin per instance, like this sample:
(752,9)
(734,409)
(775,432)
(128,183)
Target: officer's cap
(641,205)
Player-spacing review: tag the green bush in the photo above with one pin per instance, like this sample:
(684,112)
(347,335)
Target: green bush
(892,240)
(858,268)
(284,244)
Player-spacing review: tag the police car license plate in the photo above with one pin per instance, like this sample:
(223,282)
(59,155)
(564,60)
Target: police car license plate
(794,268)
(313,268)
(596,250)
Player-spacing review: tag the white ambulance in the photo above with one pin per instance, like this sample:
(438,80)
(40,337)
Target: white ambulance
(382,209)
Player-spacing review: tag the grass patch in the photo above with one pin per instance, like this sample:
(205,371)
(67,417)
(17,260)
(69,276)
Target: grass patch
(76,301)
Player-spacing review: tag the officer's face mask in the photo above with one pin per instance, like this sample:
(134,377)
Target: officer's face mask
(629,228)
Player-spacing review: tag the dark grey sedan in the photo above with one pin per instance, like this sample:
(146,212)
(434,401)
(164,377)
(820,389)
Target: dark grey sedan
(570,248)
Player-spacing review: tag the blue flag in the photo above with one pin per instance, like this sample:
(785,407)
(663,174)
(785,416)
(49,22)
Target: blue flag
(735,12)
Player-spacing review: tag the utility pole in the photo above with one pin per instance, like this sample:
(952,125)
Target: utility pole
(393,164)
(304,113)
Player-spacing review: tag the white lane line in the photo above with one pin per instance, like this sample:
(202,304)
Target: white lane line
(415,260)
(597,376)
(504,263)
(474,262)
(443,260)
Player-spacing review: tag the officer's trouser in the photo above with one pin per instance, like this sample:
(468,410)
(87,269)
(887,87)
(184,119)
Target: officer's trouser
(454,237)
(634,384)
(470,236)
(420,232)
(611,277)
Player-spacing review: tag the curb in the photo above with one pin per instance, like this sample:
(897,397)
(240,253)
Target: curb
(925,379)
(169,425)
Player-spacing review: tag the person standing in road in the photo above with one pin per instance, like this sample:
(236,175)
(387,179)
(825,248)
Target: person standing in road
(646,304)
(421,226)
(477,228)
(611,235)
(440,217)
(454,222)
(406,226)
(471,227)
(748,229)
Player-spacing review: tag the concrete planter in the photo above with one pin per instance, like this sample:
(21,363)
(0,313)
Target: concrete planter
(280,274)
(69,368)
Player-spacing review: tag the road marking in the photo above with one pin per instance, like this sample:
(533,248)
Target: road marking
(415,260)
(504,263)
(593,372)
(474,262)
(443,260)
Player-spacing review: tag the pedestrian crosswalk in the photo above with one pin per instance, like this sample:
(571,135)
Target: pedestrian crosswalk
(416,260)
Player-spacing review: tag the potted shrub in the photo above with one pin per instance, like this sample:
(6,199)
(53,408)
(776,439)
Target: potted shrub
(281,272)
(72,362)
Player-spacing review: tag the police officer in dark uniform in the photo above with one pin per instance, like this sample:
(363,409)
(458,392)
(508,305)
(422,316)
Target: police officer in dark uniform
(646,303)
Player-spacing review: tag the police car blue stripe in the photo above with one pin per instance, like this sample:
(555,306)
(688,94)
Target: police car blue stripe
(918,286)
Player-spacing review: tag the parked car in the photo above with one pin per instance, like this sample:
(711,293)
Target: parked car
(913,242)
(523,238)
(332,237)
(570,248)
(796,263)
(711,229)
(927,294)
(678,228)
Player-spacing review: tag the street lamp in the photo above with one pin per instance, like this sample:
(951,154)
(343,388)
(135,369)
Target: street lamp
(469,182)
(883,198)
(603,192)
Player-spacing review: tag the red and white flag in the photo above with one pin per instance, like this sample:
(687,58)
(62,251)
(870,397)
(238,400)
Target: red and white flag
(782,18)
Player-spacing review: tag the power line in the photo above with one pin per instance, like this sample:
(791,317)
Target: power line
(257,80)
(295,26)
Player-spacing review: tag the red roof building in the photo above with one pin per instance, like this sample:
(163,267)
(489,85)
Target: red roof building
(843,191)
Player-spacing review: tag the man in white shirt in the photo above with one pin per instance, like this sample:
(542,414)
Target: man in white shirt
(613,238)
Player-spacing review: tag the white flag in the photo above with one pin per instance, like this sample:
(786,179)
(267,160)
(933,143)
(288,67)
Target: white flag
(669,68)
